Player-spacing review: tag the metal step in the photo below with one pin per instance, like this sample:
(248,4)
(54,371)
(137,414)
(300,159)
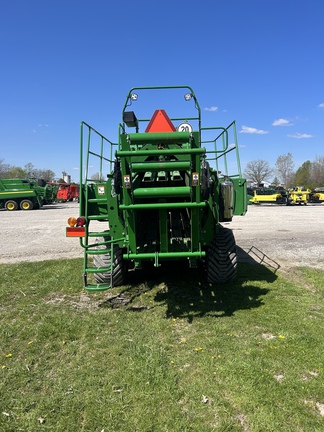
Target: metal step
(97,252)
(98,269)
(97,287)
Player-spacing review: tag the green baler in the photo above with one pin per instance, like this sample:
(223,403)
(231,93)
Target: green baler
(160,193)
(18,194)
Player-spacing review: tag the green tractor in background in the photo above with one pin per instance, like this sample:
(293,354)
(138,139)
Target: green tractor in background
(162,191)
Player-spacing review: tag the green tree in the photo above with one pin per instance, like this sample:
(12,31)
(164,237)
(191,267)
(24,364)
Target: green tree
(303,175)
(16,172)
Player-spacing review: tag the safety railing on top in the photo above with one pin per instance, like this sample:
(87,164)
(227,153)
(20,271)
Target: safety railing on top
(95,151)
(221,152)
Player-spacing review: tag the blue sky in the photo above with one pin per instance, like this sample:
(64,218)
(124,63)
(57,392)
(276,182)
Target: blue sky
(259,62)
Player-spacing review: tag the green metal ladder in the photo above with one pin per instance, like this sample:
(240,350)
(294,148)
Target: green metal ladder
(88,203)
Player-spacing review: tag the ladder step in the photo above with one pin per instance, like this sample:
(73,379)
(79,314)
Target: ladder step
(97,251)
(98,287)
(98,269)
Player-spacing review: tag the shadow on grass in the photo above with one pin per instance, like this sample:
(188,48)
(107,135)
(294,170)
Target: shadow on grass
(186,294)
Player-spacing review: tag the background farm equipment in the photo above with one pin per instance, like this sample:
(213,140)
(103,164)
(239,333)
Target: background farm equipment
(67,192)
(263,195)
(18,194)
(299,196)
(46,190)
(162,191)
(317,196)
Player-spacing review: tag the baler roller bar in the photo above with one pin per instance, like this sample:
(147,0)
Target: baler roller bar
(163,137)
(154,206)
(160,166)
(160,152)
(163,255)
(181,191)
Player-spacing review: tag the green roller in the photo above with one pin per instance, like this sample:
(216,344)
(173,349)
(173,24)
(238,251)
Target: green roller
(162,192)
(159,166)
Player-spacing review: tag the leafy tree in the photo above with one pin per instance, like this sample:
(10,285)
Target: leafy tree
(15,172)
(303,175)
(47,175)
(258,171)
(10,171)
(28,172)
(285,169)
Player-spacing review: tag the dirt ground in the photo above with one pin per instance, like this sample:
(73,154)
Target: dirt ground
(279,236)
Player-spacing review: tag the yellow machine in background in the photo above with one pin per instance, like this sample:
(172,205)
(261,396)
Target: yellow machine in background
(299,196)
(268,196)
(317,197)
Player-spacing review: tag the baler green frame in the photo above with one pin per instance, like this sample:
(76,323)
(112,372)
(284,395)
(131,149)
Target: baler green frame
(158,195)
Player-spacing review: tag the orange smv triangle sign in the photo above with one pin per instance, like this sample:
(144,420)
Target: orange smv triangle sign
(160,122)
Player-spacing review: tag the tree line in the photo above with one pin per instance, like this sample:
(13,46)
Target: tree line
(309,175)
(27,172)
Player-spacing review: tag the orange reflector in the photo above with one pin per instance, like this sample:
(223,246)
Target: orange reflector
(72,221)
(75,232)
(160,122)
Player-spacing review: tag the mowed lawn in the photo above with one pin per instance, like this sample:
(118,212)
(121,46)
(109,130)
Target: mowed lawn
(167,352)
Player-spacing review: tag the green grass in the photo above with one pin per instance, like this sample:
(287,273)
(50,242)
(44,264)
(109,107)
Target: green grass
(168,353)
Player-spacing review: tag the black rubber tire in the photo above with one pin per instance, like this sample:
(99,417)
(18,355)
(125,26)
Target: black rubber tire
(222,257)
(26,205)
(11,205)
(104,260)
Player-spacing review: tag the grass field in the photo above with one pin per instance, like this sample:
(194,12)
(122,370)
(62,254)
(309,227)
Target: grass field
(168,353)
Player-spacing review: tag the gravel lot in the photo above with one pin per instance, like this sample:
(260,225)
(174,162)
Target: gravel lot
(277,235)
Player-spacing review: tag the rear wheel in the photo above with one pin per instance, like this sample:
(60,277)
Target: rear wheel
(118,274)
(26,205)
(11,205)
(222,257)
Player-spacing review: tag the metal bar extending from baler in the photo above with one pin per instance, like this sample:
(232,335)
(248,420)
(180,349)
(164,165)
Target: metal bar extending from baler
(155,206)
(173,119)
(162,137)
(165,152)
(153,255)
